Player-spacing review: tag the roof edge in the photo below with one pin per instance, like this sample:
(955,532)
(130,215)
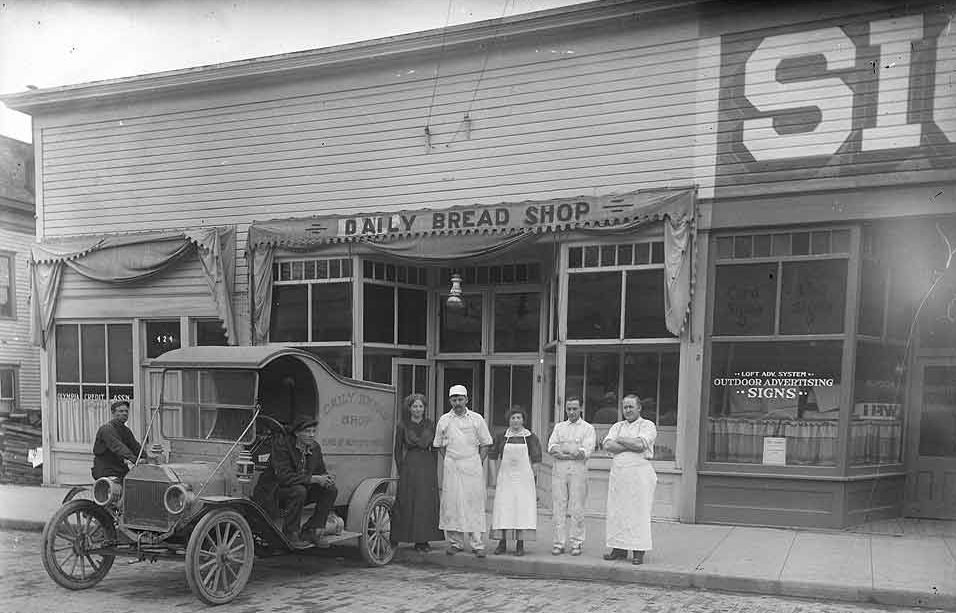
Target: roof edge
(153,83)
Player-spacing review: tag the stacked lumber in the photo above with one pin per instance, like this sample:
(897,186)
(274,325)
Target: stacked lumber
(17,438)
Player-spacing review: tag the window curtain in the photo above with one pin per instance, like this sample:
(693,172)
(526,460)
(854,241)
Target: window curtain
(128,259)
(809,442)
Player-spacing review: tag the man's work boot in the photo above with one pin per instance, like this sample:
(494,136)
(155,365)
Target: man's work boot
(519,548)
(638,557)
(502,547)
(296,542)
(315,535)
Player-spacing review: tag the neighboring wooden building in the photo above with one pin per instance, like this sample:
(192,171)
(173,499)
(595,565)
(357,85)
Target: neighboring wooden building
(730,209)
(19,359)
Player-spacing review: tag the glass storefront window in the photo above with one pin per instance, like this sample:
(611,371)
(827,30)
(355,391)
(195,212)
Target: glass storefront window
(644,305)
(382,301)
(601,379)
(311,301)
(517,319)
(872,299)
(745,299)
(876,424)
(331,312)
(412,316)
(94,367)
(594,305)
(461,327)
(379,313)
(813,297)
(290,315)
(781,389)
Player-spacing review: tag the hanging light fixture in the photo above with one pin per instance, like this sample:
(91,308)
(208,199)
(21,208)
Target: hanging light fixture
(454,300)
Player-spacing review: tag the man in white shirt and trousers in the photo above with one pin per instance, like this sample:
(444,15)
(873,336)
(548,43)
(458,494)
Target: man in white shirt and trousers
(631,484)
(463,439)
(571,444)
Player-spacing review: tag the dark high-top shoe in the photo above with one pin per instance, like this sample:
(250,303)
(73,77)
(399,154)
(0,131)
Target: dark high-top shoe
(616,554)
(519,548)
(502,547)
(638,557)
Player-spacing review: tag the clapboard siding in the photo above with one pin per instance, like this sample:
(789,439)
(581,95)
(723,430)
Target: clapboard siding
(617,114)
(180,290)
(500,88)
(15,346)
(315,160)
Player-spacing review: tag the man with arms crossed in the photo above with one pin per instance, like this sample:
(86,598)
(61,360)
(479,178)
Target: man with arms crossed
(631,484)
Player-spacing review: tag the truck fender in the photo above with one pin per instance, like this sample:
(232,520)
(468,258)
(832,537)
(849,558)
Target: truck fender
(258,519)
(361,497)
(75,490)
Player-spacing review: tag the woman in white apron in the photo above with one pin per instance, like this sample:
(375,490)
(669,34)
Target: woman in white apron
(515,513)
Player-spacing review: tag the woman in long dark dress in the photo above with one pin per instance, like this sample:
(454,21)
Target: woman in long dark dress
(415,514)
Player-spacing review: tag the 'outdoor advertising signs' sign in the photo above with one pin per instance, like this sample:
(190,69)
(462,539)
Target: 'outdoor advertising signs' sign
(838,103)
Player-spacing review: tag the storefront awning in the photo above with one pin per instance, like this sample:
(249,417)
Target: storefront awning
(482,232)
(621,212)
(118,259)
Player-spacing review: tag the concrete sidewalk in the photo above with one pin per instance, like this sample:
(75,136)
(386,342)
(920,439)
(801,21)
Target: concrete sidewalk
(911,568)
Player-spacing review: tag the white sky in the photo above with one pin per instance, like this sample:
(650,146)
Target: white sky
(48,43)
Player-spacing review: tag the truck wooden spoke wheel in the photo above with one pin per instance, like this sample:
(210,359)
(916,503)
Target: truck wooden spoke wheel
(375,543)
(219,556)
(70,541)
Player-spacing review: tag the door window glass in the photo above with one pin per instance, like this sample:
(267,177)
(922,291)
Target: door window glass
(937,431)
(511,388)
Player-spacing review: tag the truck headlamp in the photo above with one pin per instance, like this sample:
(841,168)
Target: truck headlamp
(107,490)
(177,498)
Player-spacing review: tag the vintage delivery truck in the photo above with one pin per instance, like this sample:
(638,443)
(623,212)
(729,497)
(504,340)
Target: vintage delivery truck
(189,497)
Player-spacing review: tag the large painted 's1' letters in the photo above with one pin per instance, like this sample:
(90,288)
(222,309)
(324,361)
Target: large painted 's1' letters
(830,95)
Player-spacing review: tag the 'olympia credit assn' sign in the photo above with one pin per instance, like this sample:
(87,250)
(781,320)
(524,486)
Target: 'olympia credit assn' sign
(839,99)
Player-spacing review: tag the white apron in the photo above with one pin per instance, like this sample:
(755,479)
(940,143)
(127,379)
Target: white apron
(516,505)
(630,497)
(463,485)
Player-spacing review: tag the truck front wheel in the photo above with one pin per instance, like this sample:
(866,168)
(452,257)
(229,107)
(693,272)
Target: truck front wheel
(70,542)
(219,556)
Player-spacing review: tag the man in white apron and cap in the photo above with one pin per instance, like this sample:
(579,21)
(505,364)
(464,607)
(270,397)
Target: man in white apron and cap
(463,438)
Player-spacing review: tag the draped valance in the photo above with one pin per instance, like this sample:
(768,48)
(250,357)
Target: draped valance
(118,259)
(480,233)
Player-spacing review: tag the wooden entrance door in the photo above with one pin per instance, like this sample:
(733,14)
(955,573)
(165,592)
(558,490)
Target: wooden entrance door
(931,465)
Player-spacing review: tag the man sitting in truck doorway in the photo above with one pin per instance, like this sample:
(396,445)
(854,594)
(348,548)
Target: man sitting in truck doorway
(296,476)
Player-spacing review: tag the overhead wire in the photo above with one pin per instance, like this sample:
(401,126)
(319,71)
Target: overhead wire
(441,55)
(466,121)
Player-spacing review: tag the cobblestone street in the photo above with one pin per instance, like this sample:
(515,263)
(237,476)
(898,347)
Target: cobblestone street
(324,582)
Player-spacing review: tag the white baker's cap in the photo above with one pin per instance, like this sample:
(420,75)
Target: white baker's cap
(457,390)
